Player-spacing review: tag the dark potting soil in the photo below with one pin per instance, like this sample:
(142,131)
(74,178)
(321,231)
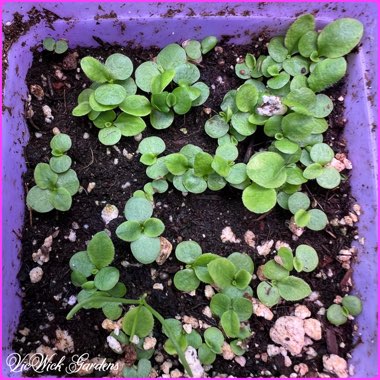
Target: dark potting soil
(197,217)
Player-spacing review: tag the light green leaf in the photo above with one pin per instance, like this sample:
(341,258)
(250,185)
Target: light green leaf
(176,163)
(216,127)
(274,271)
(144,75)
(136,105)
(308,43)
(205,93)
(186,73)
(353,304)
(329,179)
(279,81)
(61,46)
(205,355)
(313,171)
(267,169)
(318,220)
(268,294)
(298,201)
(230,323)
(336,315)
(308,257)
(138,321)
(220,303)
(101,250)
(259,199)
(129,125)
(293,288)
(228,151)
(109,136)
(193,183)
(242,307)
(81,263)
(202,164)
(138,209)
(321,153)
(95,70)
(120,66)
(326,73)
(61,199)
(69,181)
(296,65)
(214,339)
(277,50)
(129,231)
(107,278)
(299,27)
(161,120)
(188,251)
(110,94)
(60,164)
(44,177)
(339,37)
(241,261)
(146,249)
(39,200)
(246,97)
(185,280)
(302,218)
(222,272)
(171,56)
(153,227)
(238,174)
(82,109)
(208,44)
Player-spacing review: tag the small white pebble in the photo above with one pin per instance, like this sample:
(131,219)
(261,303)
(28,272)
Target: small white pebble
(36,275)
(91,186)
(86,135)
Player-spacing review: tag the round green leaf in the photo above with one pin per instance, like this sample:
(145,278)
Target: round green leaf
(146,249)
(81,263)
(353,304)
(193,183)
(339,37)
(144,75)
(110,94)
(193,49)
(238,174)
(222,272)
(136,105)
(228,151)
(329,179)
(205,93)
(208,43)
(274,271)
(216,127)
(39,200)
(302,218)
(188,251)
(242,279)
(313,171)
(267,169)
(82,109)
(112,311)
(268,294)
(61,199)
(230,323)
(153,227)
(44,177)
(336,315)
(293,288)
(101,250)
(109,136)
(77,278)
(286,256)
(205,355)
(157,170)
(298,201)
(95,70)
(215,182)
(243,308)
(138,209)
(296,126)
(69,181)
(286,146)
(277,50)
(60,144)
(308,43)
(129,86)
(242,125)
(61,46)
(60,164)
(129,231)
(242,71)
(139,321)
(152,144)
(119,290)
(186,280)
(119,65)
(241,261)
(201,269)
(318,220)
(214,339)
(296,65)
(161,120)
(186,73)
(220,303)
(176,163)
(106,278)
(279,81)
(258,199)
(308,257)
(171,56)
(49,44)
(246,97)
(321,153)
(194,339)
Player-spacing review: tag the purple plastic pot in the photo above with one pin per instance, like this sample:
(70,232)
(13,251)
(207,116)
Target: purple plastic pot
(160,24)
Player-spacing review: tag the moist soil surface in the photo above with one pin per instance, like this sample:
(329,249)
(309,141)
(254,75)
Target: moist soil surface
(198,217)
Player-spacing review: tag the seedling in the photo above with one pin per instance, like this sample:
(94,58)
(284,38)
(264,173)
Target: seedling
(142,369)
(59,46)
(106,292)
(339,314)
(282,284)
(55,182)
(141,230)
(150,148)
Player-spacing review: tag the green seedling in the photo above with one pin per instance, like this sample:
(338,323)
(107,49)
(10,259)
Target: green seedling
(56,183)
(339,314)
(141,230)
(150,148)
(282,284)
(59,47)
(142,369)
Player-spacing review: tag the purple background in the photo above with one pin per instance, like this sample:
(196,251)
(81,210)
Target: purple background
(144,23)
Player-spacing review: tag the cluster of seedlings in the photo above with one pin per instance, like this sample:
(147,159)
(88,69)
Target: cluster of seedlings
(282,96)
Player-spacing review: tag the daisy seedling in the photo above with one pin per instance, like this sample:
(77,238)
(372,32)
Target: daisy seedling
(150,148)
(56,183)
(58,47)
(141,230)
(282,284)
(339,314)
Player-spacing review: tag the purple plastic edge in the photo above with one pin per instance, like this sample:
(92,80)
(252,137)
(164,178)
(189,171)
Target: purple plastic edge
(361,115)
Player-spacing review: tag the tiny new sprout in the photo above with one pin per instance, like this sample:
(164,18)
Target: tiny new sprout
(141,230)
(150,148)
(339,314)
(59,46)
(142,369)
(55,182)
(282,284)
